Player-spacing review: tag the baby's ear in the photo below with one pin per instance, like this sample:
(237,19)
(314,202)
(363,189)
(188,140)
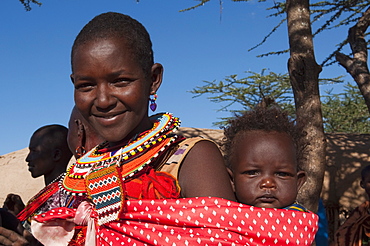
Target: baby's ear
(231,176)
(301,179)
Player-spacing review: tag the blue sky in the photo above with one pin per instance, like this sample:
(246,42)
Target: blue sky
(193,46)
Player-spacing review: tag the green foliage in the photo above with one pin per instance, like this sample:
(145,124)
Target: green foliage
(343,112)
(237,95)
(346,111)
(27,3)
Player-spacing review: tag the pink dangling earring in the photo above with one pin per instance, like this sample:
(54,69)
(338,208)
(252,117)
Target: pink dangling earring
(153,105)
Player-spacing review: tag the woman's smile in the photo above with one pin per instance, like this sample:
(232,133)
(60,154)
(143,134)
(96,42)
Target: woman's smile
(112,89)
(109,118)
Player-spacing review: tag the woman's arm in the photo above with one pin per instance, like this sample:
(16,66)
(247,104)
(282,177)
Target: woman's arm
(204,174)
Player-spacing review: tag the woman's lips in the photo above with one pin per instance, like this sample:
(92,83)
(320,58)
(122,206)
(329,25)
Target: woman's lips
(107,119)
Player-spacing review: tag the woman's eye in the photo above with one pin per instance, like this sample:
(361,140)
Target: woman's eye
(83,86)
(121,81)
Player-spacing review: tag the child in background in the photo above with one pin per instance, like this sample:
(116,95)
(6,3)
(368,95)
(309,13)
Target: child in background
(355,231)
(262,155)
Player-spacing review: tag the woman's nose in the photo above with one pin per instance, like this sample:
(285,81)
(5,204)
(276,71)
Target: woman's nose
(104,99)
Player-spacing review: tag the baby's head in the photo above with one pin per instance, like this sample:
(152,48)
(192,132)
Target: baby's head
(262,156)
(365,180)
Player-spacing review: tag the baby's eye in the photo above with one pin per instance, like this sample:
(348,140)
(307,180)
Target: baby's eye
(251,172)
(284,174)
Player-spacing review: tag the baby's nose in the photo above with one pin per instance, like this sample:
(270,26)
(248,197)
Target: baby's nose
(268,183)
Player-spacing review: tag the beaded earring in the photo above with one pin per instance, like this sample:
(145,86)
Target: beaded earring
(153,104)
(80,150)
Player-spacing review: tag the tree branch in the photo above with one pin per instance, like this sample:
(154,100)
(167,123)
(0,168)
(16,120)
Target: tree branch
(357,66)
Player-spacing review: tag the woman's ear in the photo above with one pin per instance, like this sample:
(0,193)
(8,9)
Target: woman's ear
(231,176)
(301,179)
(156,77)
(72,79)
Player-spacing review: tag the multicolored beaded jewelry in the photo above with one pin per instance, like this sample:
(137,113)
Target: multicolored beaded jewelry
(153,104)
(164,125)
(105,182)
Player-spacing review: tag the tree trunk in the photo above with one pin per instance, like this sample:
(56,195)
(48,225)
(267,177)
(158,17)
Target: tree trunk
(304,77)
(357,66)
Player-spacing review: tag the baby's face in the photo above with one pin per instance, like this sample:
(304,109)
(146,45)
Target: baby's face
(264,168)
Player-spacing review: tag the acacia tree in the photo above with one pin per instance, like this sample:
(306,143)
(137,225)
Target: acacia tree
(357,65)
(304,77)
(247,92)
(27,3)
(237,95)
(353,116)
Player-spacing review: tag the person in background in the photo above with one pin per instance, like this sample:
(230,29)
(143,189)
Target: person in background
(48,156)
(322,235)
(355,231)
(81,136)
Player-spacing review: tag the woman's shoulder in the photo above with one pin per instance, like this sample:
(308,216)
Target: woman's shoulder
(180,151)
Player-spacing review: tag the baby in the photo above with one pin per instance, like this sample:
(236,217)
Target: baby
(262,156)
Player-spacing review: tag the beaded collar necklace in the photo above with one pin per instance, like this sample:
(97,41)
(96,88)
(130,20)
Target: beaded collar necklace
(164,125)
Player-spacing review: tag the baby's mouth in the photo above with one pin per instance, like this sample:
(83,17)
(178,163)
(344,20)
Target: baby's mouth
(267,198)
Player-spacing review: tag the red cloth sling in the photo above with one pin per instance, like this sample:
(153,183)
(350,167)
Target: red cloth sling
(200,221)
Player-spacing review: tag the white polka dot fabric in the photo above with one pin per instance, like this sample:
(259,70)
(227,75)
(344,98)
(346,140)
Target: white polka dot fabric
(191,221)
(207,221)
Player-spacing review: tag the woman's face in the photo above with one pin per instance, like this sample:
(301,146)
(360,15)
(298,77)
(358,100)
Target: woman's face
(111,88)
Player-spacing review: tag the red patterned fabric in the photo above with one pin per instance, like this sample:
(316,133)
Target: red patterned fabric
(152,185)
(200,221)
